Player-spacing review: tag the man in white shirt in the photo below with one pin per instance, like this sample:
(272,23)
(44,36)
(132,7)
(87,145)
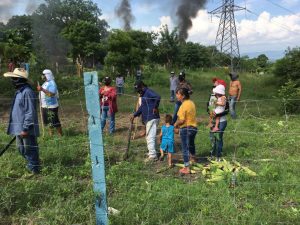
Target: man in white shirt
(49,102)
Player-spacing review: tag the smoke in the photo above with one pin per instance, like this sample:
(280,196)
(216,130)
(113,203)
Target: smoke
(186,11)
(9,8)
(31,6)
(6,10)
(124,12)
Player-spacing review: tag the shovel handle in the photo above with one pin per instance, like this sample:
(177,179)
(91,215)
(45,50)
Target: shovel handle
(7,146)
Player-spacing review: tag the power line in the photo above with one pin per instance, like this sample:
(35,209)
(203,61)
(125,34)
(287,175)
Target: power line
(282,7)
(278,24)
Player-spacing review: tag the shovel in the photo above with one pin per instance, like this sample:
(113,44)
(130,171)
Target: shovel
(7,146)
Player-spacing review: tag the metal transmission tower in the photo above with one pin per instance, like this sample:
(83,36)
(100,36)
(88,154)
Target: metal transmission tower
(226,39)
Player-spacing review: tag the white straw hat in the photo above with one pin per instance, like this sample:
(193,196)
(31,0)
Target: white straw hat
(18,72)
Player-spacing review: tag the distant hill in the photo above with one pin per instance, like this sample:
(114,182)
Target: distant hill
(272,55)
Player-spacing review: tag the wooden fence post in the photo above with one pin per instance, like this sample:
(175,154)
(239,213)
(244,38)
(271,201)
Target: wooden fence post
(96,145)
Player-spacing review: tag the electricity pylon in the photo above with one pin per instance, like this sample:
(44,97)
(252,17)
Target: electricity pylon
(226,39)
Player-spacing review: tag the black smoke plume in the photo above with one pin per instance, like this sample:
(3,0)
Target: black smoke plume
(186,11)
(124,12)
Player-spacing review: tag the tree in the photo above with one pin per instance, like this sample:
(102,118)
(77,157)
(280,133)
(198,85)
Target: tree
(289,66)
(193,55)
(167,49)
(142,41)
(127,50)
(62,13)
(262,61)
(17,38)
(119,46)
(249,65)
(85,39)
(60,26)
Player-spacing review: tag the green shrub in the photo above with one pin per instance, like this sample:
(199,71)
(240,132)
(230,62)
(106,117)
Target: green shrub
(290,95)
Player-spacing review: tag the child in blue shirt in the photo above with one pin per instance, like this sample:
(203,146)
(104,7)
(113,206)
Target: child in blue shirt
(167,140)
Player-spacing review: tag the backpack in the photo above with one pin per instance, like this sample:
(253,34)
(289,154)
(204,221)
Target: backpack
(226,111)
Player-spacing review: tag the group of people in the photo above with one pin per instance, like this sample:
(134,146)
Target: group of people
(23,120)
(184,119)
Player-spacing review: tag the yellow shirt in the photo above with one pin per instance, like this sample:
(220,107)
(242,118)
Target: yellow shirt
(187,113)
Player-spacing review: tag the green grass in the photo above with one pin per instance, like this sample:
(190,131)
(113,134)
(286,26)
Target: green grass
(263,139)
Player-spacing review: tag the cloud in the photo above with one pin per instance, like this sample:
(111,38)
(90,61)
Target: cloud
(264,33)
(108,17)
(164,20)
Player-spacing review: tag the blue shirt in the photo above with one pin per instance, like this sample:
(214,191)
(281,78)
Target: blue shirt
(150,101)
(23,115)
(167,133)
(49,101)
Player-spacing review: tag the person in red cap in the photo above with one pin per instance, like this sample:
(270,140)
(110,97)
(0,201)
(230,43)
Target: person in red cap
(216,81)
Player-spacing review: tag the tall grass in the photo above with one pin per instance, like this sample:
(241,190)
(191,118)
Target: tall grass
(262,139)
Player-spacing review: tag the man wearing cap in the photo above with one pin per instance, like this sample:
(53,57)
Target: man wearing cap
(173,85)
(23,121)
(49,102)
(182,84)
(235,90)
(150,116)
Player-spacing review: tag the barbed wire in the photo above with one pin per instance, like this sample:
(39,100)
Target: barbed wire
(135,96)
(256,184)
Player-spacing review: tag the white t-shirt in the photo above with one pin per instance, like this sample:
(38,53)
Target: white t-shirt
(219,109)
(47,101)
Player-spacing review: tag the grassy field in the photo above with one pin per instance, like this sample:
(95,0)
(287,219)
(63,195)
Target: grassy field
(263,138)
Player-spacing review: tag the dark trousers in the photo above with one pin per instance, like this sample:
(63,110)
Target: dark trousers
(29,149)
(217,139)
(187,136)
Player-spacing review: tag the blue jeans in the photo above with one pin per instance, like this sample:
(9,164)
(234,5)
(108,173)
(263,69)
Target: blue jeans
(217,139)
(177,106)
(29,149)
(187,136)
(232,103)
(172,95)
(120,90)
(104,114)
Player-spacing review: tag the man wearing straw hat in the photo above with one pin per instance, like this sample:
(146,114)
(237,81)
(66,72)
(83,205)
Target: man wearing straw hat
(23,121)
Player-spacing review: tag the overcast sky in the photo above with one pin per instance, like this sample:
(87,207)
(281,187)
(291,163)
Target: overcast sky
(271,25)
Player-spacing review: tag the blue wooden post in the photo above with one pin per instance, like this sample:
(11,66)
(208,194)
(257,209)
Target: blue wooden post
(96,145)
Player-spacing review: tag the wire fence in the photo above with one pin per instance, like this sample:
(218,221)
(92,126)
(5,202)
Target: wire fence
(74,115)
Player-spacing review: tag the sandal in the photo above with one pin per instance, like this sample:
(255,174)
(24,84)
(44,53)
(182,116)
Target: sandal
(185,170)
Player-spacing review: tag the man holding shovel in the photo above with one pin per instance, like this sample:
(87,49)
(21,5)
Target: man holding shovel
(23,121)
(150,116)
